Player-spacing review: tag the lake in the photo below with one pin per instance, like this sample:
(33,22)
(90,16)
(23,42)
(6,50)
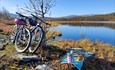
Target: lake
(94,33)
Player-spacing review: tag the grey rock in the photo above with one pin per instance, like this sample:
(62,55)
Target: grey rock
(26,58)
(4,67)
(43,67)
(2,40)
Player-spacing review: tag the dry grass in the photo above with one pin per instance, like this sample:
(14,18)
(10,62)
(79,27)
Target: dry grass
(52,34)
(54,23)
(105,54)
(9,50)
(103,51)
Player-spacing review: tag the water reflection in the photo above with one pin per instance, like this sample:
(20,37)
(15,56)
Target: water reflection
(104,34)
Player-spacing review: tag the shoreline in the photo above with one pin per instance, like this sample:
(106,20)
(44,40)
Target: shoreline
(83,22)
(110,24)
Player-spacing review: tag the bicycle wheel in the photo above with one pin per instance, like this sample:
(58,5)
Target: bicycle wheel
(37,37)
(22,40)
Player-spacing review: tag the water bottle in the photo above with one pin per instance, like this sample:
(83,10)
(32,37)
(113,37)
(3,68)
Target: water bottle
(72,56)
(69,58)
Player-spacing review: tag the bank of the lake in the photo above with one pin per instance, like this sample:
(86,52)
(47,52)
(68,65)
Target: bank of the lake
(84,23)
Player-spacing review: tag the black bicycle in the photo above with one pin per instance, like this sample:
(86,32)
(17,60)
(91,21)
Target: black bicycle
(21,34)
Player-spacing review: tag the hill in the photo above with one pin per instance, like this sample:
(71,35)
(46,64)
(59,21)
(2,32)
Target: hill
(100,17)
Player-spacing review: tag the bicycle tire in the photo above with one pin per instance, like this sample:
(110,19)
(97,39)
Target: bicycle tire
(18,38)
(33,48)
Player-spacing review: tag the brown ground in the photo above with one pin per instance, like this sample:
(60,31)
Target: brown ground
(6,26)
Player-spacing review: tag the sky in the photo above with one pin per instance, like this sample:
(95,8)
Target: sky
(67,7)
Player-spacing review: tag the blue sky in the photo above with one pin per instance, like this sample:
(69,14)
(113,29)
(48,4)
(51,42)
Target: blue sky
(68,7)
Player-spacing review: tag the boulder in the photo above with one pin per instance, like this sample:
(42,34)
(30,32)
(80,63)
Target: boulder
(26,58)
(43,67)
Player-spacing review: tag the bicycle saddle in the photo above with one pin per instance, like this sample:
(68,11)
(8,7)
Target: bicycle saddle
(32,22)
(19,21)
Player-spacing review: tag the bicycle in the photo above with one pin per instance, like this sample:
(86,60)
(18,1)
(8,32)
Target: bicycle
(22,35)
(37,34)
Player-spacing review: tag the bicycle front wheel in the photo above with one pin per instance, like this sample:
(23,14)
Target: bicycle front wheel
(37,37)
(22,41)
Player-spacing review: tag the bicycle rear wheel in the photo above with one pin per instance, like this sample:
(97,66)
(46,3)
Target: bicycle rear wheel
(37,37)
(22,41)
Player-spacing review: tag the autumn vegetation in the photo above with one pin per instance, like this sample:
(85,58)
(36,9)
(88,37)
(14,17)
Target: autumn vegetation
(104,53)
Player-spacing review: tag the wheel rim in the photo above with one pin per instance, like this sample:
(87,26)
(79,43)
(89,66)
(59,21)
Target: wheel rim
(37,36)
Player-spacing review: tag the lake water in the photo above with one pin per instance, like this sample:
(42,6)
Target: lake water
(103,34)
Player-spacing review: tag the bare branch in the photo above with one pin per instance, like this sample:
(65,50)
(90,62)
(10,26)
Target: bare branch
(39,7)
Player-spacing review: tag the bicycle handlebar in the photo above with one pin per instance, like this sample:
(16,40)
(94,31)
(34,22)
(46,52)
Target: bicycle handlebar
(40,19)
(21,15)
(25,17)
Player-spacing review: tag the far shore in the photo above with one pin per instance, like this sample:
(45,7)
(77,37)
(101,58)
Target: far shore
(111,22)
